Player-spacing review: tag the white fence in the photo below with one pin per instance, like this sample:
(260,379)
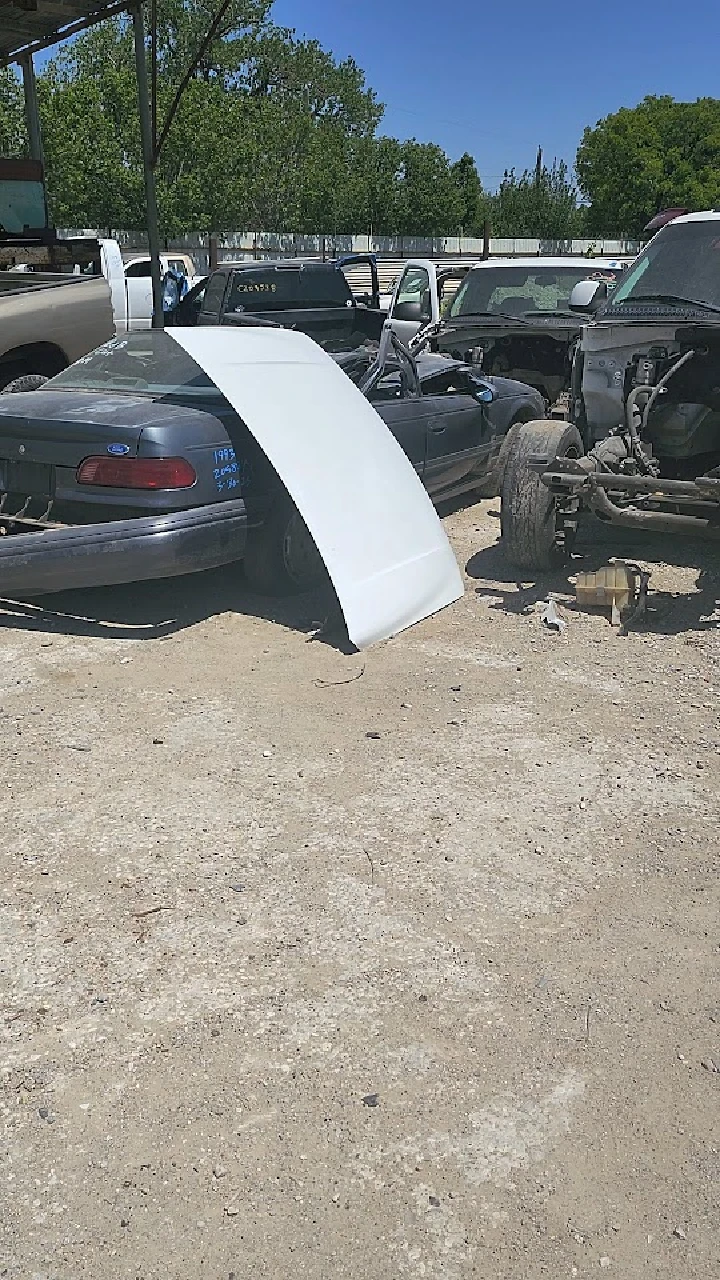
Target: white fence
(269,244)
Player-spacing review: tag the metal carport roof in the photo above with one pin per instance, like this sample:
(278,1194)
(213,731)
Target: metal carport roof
(29,25)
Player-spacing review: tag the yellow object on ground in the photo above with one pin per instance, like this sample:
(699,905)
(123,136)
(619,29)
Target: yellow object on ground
(613,585)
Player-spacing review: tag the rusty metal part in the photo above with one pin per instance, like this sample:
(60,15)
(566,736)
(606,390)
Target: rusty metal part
(8,518)
(657,521)
(628,484)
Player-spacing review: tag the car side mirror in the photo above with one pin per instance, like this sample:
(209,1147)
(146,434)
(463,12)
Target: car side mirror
(484,392)
(407,311)
(588,296)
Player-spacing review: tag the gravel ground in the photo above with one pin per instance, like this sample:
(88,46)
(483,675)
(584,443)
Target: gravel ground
(401,964)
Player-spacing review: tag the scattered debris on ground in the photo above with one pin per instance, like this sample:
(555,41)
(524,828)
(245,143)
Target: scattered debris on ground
(408,975)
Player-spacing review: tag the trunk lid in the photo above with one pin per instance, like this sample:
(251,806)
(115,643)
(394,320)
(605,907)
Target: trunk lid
(60,428)
(46,434)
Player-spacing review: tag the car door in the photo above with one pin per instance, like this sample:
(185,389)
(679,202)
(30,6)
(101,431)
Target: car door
(412,306)
(139,293)
(406,415)
(212,299)
(458,429)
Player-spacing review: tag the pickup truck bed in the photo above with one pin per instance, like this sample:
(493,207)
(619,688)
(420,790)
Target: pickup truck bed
(47,321)
(313,297)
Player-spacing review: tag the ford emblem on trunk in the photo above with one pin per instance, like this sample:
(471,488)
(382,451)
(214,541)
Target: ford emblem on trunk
(118,450)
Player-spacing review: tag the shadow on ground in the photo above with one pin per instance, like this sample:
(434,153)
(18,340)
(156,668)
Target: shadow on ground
(669,612)
(154,610)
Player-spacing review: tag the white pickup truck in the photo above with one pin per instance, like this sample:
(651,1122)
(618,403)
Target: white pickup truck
(131,285)
(512,315)
(423,291)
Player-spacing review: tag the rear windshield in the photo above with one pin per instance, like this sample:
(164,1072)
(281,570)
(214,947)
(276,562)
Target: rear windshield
(282,288)
(523,291)
(681,263)
(149,363)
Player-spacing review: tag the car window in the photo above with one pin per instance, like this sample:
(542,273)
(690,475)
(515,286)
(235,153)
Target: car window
(147,362)
(214,293)
(413,285)
(388,388)
(179,265)
(455,382)
(521,291)
(324,288)
(279,288)
(135,269)
(413,298)
(682,260)
(447,290)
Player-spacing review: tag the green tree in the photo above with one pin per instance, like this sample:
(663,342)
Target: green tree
(429,203)
(246,142)
(541,202)
(654,156)
(271,132)
(377,172)
(91,137)
(472,197)
(13,139)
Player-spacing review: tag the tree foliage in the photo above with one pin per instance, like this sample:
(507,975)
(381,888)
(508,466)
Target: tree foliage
(657,155)
(540,202)
(472,203)
(271,132)
(245,145)
(12,122)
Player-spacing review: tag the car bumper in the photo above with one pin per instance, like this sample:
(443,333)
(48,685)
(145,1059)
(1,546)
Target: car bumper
(107,554)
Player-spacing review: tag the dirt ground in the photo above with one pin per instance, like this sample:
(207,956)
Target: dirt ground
(401,964)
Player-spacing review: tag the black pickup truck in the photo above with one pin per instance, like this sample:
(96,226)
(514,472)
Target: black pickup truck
(313,297)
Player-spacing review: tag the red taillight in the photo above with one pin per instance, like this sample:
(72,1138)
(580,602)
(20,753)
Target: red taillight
(136,473)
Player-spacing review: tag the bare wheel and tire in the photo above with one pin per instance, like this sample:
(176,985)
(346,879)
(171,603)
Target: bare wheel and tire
(281,557)
(535,534)
(28,382)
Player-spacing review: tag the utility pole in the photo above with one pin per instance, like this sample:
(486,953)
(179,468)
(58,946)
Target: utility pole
(146,130)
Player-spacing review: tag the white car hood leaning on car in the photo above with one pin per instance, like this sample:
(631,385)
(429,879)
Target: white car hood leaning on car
(375,527)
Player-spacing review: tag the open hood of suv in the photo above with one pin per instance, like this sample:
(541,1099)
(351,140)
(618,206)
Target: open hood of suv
(377,531)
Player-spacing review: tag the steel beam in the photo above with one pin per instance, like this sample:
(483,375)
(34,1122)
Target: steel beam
(148,169)
(32,115)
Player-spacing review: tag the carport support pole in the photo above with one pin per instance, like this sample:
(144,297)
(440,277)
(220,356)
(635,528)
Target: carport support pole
(147,150)
(32,115)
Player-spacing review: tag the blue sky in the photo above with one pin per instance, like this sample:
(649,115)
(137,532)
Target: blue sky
(500,80)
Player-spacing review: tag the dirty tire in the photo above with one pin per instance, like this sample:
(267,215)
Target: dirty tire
(528,509)
(281,557)
(27,382)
